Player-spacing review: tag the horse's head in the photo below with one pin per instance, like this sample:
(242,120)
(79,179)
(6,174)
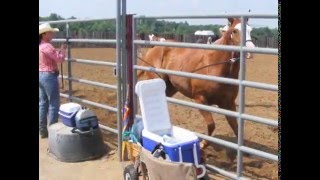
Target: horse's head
(234,29)
(151,37)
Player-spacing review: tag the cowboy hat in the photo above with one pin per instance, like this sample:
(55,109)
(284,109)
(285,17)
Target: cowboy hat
(46,27)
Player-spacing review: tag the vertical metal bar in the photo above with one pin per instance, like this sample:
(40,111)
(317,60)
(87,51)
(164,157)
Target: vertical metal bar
(134,62)
(124,51)
(195,155)
(69,62)
(180,154)
(242,96)
(129,70)
(119,79)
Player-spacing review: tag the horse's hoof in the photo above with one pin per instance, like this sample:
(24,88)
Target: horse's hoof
(231,154)
(203,144)
(203,156)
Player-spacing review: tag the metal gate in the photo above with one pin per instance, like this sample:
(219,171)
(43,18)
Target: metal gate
(125,67)
(241,82)
(118,66)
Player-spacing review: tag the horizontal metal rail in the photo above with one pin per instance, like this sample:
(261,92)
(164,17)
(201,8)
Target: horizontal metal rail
(93,62)
(224,172)
(210,78)
(208,46)
(115,131)
(94,83)
(109,108)
(264,16)
(75,20)
(96,41)
(269,122)
(221,171)
(59,40)
(235,146)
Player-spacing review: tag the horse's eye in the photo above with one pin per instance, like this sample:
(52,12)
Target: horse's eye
(234,31)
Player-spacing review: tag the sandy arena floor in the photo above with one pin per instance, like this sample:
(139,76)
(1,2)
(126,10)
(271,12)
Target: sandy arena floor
(262,68)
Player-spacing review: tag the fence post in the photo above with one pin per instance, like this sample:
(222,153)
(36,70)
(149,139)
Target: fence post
(242,77)
(129,68)
(134,62)
(119,79)
(123,50)
(69,62)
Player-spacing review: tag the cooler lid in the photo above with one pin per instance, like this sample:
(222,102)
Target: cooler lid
(153,104)
(70,107)
(83,114)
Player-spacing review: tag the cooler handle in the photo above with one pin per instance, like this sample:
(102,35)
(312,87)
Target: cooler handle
(69,115)
(159,147)
(180,154)
(74,130)
(195,157)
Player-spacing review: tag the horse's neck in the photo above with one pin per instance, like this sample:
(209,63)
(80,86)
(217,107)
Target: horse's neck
(224,40)
(234,70)
(234,67)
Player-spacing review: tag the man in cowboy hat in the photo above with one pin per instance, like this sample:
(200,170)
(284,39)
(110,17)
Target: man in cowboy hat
(49,99)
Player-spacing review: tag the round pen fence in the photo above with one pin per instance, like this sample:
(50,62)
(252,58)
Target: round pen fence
(241,82)
(126,63)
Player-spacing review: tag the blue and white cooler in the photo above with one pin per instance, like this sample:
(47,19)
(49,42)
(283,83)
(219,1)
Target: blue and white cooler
(68,112)
(179,145)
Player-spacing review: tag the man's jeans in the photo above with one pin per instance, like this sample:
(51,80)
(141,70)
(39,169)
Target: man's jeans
(49,99)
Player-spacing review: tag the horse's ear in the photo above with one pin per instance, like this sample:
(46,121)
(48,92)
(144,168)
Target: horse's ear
(229,32)
(231,20)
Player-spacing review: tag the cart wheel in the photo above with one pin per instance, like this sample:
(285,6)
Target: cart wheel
(130,173)
(205,177)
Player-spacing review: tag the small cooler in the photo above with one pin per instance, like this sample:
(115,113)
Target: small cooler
(67,113)
(180,145)
(86,119)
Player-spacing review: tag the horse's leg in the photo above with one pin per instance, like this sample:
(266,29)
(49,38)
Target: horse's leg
(170,89)
(208,119)
(234,126)
(231,120)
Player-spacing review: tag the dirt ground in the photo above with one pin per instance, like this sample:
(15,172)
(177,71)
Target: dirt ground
(262,68)
(107,167)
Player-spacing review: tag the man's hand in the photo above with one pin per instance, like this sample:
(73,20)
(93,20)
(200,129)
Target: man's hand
(63,46)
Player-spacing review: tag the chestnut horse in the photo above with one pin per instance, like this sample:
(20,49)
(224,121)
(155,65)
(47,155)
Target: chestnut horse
(200,61)
(153,37)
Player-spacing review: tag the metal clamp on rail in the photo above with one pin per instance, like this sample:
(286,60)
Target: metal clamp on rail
(68,41)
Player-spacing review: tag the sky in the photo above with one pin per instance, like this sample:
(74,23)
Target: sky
(84,9)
